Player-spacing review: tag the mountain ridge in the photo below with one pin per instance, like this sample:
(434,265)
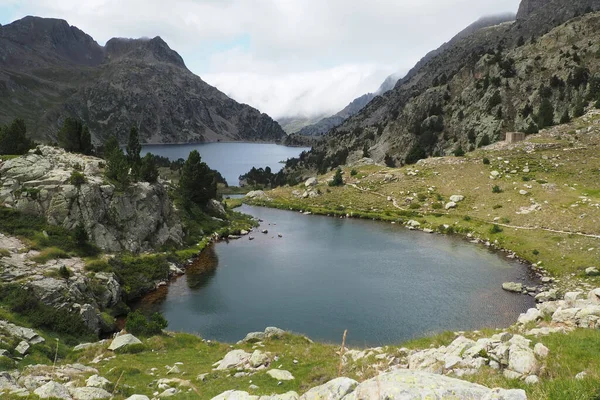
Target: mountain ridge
(448,100)
(50,70)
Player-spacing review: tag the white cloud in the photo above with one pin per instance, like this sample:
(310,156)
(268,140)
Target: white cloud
(282,56)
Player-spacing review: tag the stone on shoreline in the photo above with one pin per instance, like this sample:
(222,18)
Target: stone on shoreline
(513,287)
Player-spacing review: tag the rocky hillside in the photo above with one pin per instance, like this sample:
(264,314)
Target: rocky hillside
(140,217)
(50,70)
(479,86)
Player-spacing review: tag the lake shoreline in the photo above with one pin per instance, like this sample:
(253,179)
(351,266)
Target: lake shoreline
(176,287)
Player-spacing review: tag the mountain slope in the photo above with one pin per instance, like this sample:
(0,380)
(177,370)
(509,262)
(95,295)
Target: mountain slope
(326,124)
(50,70)
(475,88)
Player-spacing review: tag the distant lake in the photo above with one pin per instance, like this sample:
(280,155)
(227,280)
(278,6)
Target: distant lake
(383,283)
(230,159)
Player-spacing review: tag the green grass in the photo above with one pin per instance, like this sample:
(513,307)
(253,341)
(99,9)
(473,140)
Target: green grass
(51,253)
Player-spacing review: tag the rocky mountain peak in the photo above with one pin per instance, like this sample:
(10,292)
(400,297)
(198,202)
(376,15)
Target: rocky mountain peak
(527,7)
(55,35)
(149,50)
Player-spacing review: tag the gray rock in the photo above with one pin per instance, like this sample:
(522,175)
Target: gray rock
(541,351)
(594,296)
(258,358)
(138,397)
(123,340)
(97,382)
(22,348)
(235,395)
(450,205)
(522,360)
(280,375)
(214,207)
(311,182)
(549,295)
(532,315)
(53,390)
(253,337)
(513,287)
(89,393)
(581,376)
(333,390)
(417,385)
(592,271)
(272,331)
(457,198)
(532,380)
(234,359)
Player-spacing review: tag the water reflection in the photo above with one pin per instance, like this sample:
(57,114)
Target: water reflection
(203,269)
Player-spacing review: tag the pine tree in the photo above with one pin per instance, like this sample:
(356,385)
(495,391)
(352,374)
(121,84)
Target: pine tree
(148,169)
(74,137)
(545,116)
(134,148)
(565,118)
(14,140)
(338,180)
(197,184)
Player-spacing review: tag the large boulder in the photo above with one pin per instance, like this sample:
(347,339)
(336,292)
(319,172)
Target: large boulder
(513,287)
(234,359)
(89,393)
(417,385)
(332,390)
(311,182)
(53,390)
(124,340)
(280,375)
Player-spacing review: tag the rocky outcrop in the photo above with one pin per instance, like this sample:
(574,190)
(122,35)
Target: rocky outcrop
(82,294)
(141,217)
(50,70)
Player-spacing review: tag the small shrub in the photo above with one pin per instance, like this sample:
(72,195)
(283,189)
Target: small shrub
(353,172)
(77,179)
(6,363)
(495,229)
(437,206)
(459,152)
(51,253)
(138,324)
(98,266)
(496,189)
(64,272)
(536,252)
(505,220)
(338,180)
(525,178)
(497,206)
(486,161)
(414,206)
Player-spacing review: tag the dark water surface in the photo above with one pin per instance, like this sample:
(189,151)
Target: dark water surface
(382,282)
(230,159)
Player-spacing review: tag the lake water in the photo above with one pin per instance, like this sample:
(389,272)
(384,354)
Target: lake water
(230,159)
(383,283)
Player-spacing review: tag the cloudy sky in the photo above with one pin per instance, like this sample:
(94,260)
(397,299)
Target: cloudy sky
(285,57)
